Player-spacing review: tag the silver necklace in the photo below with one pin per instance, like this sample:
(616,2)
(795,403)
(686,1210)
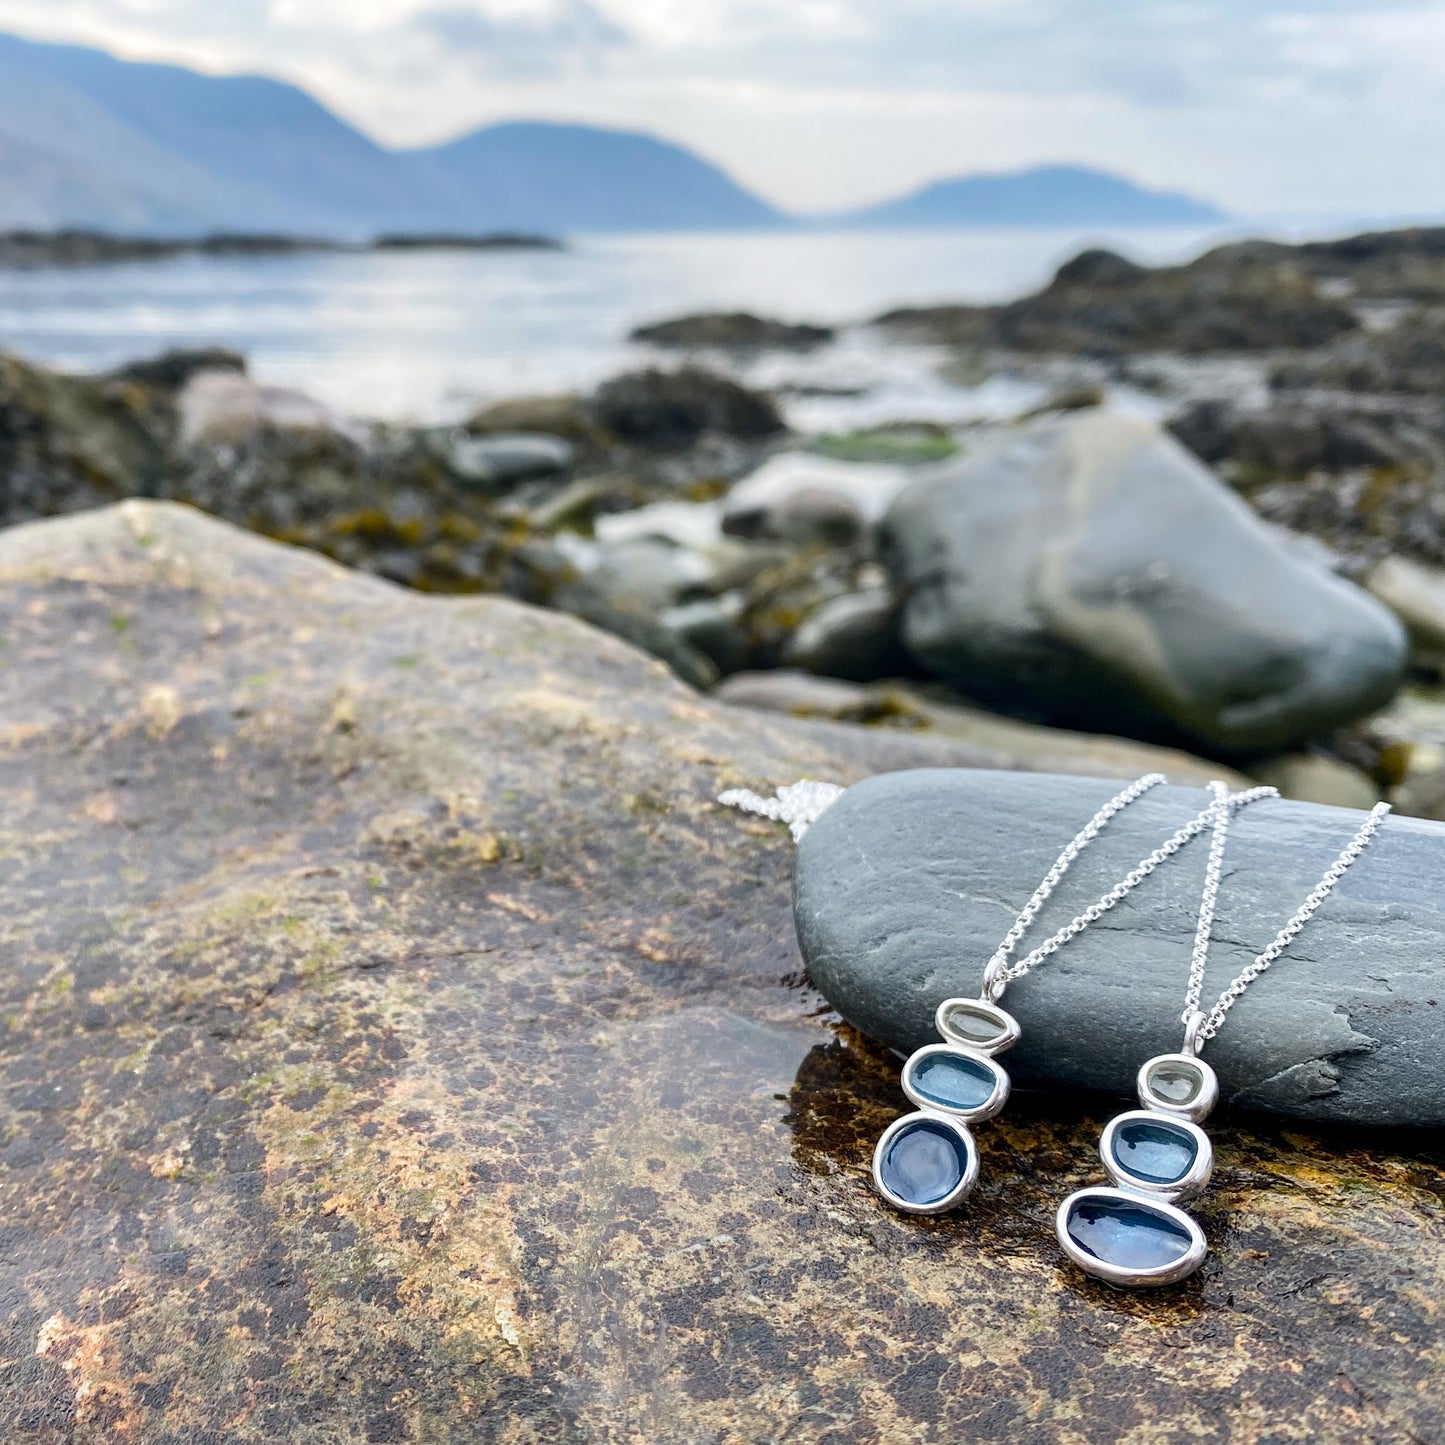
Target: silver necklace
(1133,1234)
(927,1162)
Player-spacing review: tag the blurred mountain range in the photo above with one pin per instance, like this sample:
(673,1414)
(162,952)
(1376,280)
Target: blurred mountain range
(1039,196)
(87,139)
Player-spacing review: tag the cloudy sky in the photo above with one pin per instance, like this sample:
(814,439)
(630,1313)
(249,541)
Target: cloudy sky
(1309,108)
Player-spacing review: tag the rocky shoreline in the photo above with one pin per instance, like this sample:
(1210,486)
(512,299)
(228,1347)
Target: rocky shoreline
(31,249)
(1246,569)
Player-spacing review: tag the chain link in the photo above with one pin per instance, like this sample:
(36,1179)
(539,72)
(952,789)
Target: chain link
(1062,864)
(1220,815)
(1201,1031)
(799,805)
(1001,972)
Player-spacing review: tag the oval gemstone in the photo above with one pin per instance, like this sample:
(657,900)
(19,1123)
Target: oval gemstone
(1155,1151)
(1176,1082)
(953,1081)
(976,1024)
(1128,1234)
(924,1163)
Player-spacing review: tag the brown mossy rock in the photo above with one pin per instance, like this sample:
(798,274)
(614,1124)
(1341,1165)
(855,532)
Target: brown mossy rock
(398,1044)
(69,442)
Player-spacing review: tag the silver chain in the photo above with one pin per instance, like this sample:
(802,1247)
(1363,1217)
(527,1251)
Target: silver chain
(1000,972)
(799,805)
(1208,901)
(1200,1028)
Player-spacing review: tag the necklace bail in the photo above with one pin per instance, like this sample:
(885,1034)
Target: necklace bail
(1194,1022)
(994,980)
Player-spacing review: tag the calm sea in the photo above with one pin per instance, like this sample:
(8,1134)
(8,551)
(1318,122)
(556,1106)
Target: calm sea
(425,336)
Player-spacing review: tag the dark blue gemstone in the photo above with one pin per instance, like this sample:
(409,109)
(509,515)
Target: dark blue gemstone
(1155,1151)
(1135,1236)
(923,1163)
(953,1081)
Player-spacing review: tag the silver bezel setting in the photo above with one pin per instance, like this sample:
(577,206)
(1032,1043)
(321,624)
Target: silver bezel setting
(1120,1275)
(958,1194)
(1199,1108)
(1191,1184)
(990,1106)
(1007,1025)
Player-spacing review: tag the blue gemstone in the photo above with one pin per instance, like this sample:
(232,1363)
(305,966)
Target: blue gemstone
(924,1162)
(1132,1235)
(1155,1151)
(953,1081)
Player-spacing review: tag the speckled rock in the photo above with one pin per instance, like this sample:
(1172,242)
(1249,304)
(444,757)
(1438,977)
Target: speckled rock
(1086,567)
(399,1045)
(906,886)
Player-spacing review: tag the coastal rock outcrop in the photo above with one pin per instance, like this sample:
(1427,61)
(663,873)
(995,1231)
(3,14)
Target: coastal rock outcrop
(400,1044)
(1244,298)
(1086,569)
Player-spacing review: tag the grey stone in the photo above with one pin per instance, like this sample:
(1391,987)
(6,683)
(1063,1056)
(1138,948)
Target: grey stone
(651,574)
(504,459)
(780,497)
(905,887)
(216,407)
(854,636)
(1088,570)
(710,625)
(1415,593)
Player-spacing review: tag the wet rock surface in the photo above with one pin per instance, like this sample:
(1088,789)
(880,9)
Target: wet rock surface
(400,1044)
(907,885)
(1088,561)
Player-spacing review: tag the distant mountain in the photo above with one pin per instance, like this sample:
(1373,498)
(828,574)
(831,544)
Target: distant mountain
(86,139)
(90,140)
(1040,196)
(540,176)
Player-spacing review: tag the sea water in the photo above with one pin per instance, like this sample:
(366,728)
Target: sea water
(425,336)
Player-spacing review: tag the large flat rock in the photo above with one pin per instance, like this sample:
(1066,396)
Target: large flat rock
(908,883)
(398,1044)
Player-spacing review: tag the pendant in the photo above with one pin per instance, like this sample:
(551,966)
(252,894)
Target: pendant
(927,1162)
(1133,1234)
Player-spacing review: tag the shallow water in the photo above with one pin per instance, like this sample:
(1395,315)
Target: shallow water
(425,336)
